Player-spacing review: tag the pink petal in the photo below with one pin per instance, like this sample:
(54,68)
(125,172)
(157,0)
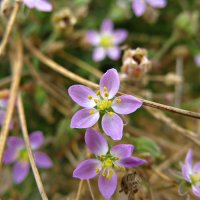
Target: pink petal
(42,160)
(29,3)
(83,118)
(197,60)
(15,142)
(43,5)
(93,38)
(139,7)
(111,81)
(114,53)
(80,93)
(186,173)
(96,142)
(107,26)
(197,167)
(122,150)
(113,126)
(36,139)
(189,160)
(10,155)
(128,104)
(99,54)
(120,35)
(196,190)
(107,187)
(130,162)
(87,169)
(20,171)
(157,3)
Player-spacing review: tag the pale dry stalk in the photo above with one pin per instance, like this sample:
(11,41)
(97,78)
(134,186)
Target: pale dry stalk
(28,148)
(79,190)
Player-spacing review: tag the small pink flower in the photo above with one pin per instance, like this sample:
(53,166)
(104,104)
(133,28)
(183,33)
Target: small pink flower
(41,5)
(106,162)
(103,103)
(197,60)
(106,41)
(16,153)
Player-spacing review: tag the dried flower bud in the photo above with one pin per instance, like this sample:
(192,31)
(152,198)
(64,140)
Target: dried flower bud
(135,63)
(64,20)
(173,79)
(6,7)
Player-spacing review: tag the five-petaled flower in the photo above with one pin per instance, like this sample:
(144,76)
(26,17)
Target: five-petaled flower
(106,162)
(106,42)
(41,5)
(16,153)
(191,173)
(103,104)
(139,6)
(197,60)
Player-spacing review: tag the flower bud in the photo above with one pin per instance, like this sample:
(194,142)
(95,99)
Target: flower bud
(135,63)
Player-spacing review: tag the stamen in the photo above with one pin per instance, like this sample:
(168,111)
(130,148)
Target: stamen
(109,175)
(106,94)
(115,166)
(122,168)
(104,174)
(96,101)
(109,103)
(105,89)
(98,92)
(97,170)
(118,100)
(91,112)
(110,113)
(89,97)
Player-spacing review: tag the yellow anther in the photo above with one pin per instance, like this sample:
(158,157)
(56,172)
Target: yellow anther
(108,163)
(89,97)
(118,100)
(109,103)
(106,94)
(109,175)
(123,168)
(96,101)
(101,157)
(116,158)
(97,170)
(104,174)
(110,113)
(115,166)
(98,92)
(91,112)
(105,89)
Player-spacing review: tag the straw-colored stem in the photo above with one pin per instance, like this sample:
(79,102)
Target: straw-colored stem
(28,148)
(79,190)
(90,188)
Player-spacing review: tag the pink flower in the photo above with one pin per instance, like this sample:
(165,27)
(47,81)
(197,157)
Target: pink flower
(103,104)
(106,162)
(197,60)
(41,5)
(106,42)
(16,153)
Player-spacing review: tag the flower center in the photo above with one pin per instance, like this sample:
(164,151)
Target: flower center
(23,155)
(106,41)
(195,178)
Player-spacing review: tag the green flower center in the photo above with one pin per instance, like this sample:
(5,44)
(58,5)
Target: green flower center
(106,41)
(195,178)
(23,155)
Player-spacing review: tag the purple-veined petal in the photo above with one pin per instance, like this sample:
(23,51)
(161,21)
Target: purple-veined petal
(80,93)
(2,117)
(87,169)
(111,81)
(114,53)
(43,5)
(130,162)
(189,160)
(36,139)
(29,3)
(107,187)
(157,3)
(127,105)
(196,189)
(122,150)
(15,142)
(197,167)
(20,171)
(96,142)
(42,160)
(10,155)
(84,119)
(107,26)
(119,36)
(197,60)
(186,173)
(113,126)
(138,7)
(93,37)
(99,54)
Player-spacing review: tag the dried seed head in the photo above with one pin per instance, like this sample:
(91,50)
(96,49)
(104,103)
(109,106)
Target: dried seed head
(135,63)
(6,7)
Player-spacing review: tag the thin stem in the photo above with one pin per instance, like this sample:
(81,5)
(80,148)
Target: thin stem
(28,148)
(60,69)
(12,98)
(90,188)
(79,190)
(10,26)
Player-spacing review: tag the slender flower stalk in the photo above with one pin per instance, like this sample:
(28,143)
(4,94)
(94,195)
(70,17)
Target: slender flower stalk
(191,173)
(17,154)
(139,6)
(103,104)
(106,162)
(41,5)
(106,41)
